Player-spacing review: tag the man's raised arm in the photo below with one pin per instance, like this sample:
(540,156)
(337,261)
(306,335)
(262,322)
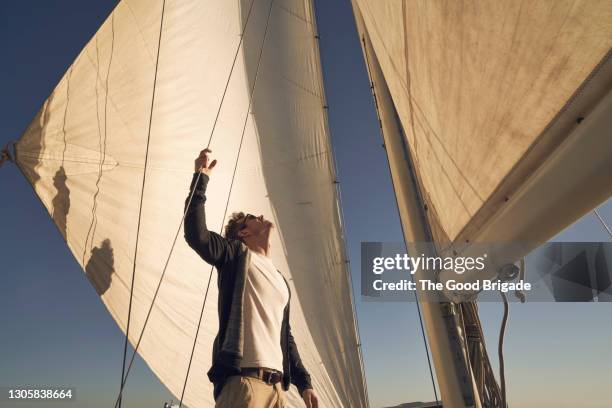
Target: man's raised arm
(212,247)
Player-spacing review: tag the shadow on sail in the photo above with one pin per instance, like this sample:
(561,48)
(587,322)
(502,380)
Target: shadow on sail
(101,266)
(61,201)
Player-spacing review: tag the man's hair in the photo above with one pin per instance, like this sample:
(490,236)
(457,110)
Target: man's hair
(234,225)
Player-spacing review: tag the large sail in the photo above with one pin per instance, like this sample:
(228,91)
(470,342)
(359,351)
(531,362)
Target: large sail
(488,94)
(496,118)
(112,165)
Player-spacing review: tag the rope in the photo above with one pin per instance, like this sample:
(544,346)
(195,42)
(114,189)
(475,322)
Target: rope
(195,340)
(601,220)
(433,383)
(500,350)
(127,330)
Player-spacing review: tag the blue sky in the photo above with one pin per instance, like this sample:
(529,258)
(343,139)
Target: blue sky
(55,329)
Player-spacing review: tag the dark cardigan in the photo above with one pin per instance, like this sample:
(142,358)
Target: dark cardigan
(231,259)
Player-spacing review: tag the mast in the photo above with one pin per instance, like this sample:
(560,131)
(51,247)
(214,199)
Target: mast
(454,377)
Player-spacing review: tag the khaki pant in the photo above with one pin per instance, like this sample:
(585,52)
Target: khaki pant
(249,392)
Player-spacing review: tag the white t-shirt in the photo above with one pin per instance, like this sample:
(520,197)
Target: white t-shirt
(265,298)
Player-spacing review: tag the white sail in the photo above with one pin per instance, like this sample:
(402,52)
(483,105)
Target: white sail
(489,95)
(99,138)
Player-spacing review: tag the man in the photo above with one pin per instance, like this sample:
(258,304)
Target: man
(254,351)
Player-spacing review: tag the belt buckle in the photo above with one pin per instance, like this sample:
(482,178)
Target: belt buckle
(269,376)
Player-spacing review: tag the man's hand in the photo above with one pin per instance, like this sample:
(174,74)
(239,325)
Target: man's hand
(201,163)
(310,398)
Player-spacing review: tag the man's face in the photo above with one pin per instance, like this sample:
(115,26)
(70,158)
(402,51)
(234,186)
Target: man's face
(255,225)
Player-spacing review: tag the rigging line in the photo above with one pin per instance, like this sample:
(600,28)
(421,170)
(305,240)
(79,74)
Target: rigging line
(246,118)
(168,258)
(500,350)
(433,383)
(602,221)
(127,330)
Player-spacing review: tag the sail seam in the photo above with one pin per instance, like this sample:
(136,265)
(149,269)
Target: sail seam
(293,13)
(430,128)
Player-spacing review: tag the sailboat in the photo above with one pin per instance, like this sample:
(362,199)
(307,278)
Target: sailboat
(483,108)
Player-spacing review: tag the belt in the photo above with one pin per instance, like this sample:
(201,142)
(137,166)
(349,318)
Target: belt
(268,376)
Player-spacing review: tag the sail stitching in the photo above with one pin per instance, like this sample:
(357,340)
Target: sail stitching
(141,34)
(292,13)
(463,176)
